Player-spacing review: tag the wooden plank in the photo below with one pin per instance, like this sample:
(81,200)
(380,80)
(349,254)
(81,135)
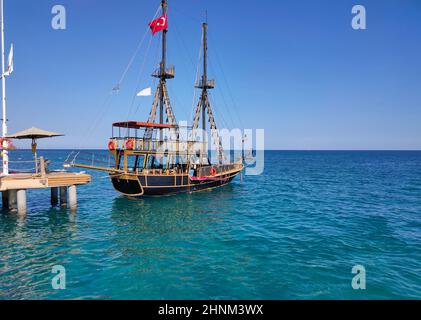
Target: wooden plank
(84,166)
(54,179)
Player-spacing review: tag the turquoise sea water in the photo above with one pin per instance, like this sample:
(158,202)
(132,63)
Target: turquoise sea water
(294,232)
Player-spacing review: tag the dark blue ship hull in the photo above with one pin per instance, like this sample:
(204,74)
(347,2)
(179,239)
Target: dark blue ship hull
(133,185)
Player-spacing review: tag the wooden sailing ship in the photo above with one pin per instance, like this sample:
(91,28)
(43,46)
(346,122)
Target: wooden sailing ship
(152,158)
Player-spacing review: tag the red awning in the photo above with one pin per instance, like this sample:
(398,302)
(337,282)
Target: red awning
(138,125)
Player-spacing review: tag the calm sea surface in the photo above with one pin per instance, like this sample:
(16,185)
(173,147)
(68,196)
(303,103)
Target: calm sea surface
(294,232)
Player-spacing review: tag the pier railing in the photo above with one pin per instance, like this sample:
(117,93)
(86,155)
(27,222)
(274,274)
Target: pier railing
(36,166)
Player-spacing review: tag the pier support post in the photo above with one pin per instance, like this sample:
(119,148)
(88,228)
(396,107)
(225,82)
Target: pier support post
(54,197)
(21,201)
(42,165)
(63,197)
(5,199)
(72,197)
(12,200)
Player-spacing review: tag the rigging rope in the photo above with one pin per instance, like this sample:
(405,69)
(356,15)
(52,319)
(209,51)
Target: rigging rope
(183,43)
(221,93)
(154,80)
(227,107)
(123,76)
(216,111)
(105,106)
(236,110)
(227,85)
(196,79)
(139,79)
(98,119)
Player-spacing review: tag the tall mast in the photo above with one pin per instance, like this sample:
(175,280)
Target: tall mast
(204,76)
(204,107)
(3,81)
(161,98)
(163,71)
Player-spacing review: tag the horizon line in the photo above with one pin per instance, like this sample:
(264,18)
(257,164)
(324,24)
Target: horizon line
(302,150)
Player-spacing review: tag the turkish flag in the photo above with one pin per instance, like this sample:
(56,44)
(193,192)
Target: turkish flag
(159,24)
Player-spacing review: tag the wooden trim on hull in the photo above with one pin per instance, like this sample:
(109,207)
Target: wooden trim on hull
(140,185)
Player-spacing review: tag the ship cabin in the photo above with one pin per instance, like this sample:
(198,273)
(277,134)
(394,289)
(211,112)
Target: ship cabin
(139,149)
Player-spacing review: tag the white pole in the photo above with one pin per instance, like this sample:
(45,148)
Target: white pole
(3,82)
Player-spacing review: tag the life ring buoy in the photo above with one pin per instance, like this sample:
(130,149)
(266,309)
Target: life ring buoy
(111,145)
(9,144)
(130,144)
(213,172)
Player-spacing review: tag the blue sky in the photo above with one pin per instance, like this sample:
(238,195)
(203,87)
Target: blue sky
(294,68)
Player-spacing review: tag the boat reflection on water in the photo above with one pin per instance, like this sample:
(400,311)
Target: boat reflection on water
(184,213)
(167,233)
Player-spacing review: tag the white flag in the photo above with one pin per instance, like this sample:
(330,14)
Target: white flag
(10,62)
(145,92)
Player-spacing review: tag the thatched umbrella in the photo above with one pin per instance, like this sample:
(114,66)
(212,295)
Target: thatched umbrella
(34,134)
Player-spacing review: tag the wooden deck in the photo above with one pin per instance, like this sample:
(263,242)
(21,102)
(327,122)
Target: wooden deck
(49,180)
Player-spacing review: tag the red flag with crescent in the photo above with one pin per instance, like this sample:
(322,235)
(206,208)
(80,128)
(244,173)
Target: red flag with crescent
(159,24)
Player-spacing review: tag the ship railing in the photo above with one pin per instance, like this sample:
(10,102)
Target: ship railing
(98,159)
(155,145)
(169,73)
(221,168)
(209,84)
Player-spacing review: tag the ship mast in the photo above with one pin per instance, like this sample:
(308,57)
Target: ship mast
(3,81)
(204,107)
(162,76)
(161,97)
(204,76)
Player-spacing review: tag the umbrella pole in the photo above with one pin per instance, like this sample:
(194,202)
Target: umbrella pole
(36,163)
(34,151)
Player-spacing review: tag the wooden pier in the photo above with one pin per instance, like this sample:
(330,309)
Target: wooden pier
(14,185)
(63,185)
